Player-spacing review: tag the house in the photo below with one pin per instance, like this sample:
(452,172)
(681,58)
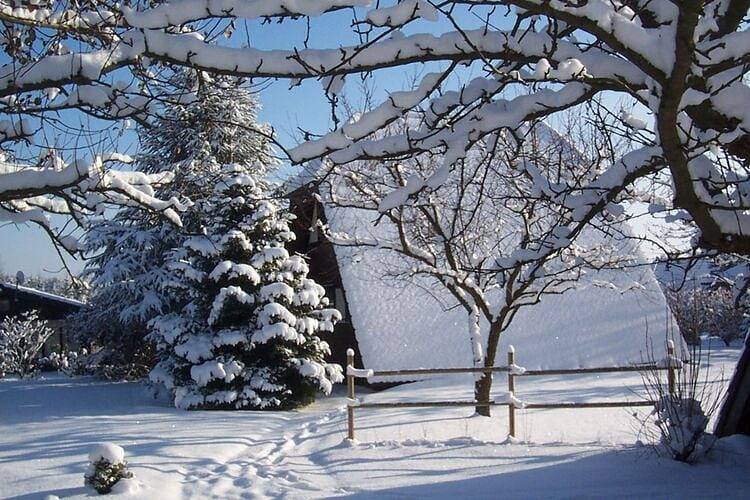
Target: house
(393,325)
(15,299)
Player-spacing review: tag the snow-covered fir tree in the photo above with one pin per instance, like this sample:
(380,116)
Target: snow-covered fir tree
(212,122)
(246,336)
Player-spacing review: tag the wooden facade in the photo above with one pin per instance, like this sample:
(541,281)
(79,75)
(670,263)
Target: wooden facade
(324,268)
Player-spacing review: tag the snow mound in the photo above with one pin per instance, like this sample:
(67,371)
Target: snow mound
(735,449)
(127,486)
(107,451)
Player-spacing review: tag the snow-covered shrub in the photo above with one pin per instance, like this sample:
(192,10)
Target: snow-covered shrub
(714,311)
(118,350)
(70,363)
(128,364)
(729,319)
(107,466)
(681,414)
(21,339)
(683,423)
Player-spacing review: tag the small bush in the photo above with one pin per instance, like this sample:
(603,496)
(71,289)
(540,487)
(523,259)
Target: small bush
(682,423)
(21,339)
(683,412)
(700,311)
(70,363)
(107,467)
(133,365)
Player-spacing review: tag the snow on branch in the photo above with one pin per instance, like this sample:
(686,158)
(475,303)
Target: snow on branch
(31,193)
(684,65)
(179,12)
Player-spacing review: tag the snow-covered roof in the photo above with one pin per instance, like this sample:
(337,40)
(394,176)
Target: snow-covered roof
(413,325)
(419,325)
(45,295)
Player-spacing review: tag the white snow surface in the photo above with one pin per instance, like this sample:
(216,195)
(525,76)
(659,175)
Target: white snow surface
(107,451)
(48,426)
(615,319)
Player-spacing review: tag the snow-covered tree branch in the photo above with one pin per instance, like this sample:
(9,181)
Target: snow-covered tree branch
(685,65)
(32,194)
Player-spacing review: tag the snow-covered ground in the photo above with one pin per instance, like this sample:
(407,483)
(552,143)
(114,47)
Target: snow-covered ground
(47,428)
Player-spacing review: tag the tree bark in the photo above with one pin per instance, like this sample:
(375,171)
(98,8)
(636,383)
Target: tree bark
(483,386)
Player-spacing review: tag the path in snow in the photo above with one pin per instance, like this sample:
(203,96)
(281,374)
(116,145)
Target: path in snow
(265,470)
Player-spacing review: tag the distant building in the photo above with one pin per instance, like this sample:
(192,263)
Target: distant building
(16,299)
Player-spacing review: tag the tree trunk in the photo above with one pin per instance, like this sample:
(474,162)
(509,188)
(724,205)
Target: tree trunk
(483,386)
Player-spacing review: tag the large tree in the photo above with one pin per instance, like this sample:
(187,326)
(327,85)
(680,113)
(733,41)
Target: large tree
(244,332)
(685,63)
(127,268)
(463,241)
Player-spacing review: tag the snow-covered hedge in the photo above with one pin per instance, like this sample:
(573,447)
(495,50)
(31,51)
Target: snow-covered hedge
(69,363)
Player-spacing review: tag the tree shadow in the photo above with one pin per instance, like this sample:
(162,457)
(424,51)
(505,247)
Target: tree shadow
(625,473)
(81,491)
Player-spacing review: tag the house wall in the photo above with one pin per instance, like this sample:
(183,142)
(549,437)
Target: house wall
(324,270)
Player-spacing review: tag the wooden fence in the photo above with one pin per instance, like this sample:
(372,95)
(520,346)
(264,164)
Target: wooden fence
(670,364)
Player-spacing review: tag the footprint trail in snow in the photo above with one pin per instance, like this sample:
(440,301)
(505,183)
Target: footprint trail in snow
(267,470)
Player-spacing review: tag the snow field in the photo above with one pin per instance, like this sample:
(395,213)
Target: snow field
(48,427)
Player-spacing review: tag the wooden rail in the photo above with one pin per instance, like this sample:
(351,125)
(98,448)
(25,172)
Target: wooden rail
(437,371)
(586,371)
(594,404)
(513,371)
(428,404)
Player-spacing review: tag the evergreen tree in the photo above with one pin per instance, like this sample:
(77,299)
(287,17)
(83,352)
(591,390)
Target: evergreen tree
(209,124)
(245,337)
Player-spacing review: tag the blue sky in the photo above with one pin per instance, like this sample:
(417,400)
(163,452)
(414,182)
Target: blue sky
(27,248)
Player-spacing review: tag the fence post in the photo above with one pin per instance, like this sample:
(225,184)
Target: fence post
(350,394)
(511,393)
(670,367)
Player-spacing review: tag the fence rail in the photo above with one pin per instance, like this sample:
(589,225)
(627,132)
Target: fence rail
(591,404)
(428,404)
(670,364)
(437,371)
